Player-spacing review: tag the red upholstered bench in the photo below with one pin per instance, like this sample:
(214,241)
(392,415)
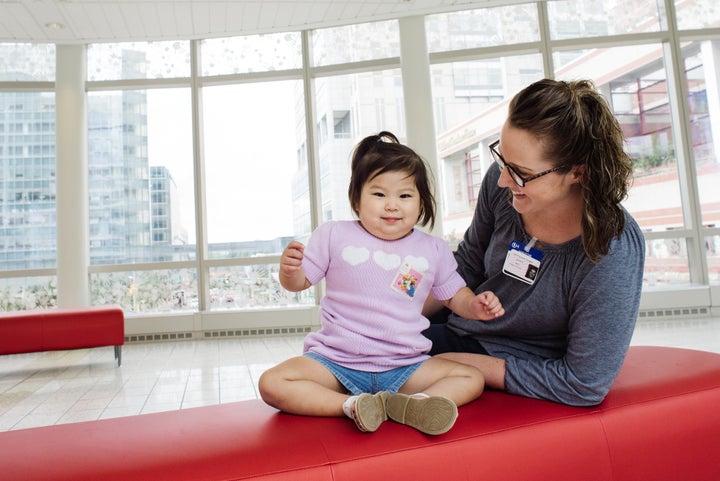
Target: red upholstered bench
(62,328)
(660,422)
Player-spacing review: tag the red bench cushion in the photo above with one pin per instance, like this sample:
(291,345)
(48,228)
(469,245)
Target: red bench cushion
(660,422)
(61,328)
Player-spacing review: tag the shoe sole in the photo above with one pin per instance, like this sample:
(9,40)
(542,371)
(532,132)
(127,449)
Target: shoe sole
(369,411)
(431,415)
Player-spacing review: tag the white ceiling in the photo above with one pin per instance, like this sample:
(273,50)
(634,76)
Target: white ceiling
(84,21)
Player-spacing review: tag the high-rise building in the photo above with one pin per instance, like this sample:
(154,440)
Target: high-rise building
(27,180)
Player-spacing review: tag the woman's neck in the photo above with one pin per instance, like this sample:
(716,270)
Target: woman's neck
(556,227)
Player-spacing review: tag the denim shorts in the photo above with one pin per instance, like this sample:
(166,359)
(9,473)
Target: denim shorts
(358,382)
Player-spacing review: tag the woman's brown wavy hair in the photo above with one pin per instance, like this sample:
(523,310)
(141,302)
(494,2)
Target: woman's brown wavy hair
(576,127)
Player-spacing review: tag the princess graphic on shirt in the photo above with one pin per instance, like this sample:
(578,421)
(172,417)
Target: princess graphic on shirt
(407,281)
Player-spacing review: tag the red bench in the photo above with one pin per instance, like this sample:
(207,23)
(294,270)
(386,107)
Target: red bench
(660,422)
(61,329)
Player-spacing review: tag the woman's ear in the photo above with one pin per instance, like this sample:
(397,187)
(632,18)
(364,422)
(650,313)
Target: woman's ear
(578,173)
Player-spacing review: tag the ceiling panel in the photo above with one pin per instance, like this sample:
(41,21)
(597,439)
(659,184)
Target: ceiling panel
(134,22)
(88,21)
(19,22)
(250,18)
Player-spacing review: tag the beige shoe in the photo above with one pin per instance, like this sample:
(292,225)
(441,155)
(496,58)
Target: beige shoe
(369,411)
(430,415)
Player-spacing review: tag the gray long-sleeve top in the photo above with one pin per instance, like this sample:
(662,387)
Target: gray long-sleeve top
(564,338)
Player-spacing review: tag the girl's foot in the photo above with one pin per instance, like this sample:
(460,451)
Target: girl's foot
(368,412)
(428,414)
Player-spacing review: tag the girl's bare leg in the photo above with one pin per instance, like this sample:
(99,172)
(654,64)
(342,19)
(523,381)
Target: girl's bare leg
(303,386)
(493,368)
(429,398)
(441,377)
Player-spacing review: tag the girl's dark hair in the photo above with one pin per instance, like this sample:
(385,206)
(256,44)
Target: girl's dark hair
(377,154)
(576,126)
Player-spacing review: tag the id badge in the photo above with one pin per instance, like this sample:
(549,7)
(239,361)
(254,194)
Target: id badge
(522,262)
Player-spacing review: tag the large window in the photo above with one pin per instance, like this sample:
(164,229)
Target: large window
(28,221)
(355,43)
(468,117)
(633,78)
(487,27)
(206,157)
(140,176)
(358,105)
(355,104)
(701,61)
(696,14)
(638,93)
(573,19)
(256,192)
(27,180)
(138,60)
(146,174)
(250,162)
(251,53)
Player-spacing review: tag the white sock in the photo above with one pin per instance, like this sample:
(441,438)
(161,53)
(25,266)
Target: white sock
(420,395)
(348,406)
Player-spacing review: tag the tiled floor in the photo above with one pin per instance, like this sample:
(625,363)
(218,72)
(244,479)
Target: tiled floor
(47,388)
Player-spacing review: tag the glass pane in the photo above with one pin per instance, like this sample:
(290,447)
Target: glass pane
(344,119)
(24,62)
(140,178)
(254,286)
(594,18)
(146,291)
(633,81)
(138,60)
(666,262)
(470,105)
(28,222)
(702,72)
(255,167)
(24,293)
(692,14)
(354,43)
(486,27)
(252,53)
(712,249)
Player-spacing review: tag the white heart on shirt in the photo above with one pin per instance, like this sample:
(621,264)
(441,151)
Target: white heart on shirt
(420,264)
(355,255)
(386,261)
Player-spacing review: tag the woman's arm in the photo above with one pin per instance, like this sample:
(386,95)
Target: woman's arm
(603,305)
(470,252)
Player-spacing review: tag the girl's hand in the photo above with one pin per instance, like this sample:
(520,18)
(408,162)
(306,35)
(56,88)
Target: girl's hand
(291,259)
(487,306)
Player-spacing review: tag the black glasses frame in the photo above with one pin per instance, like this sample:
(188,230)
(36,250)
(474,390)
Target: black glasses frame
(514,175)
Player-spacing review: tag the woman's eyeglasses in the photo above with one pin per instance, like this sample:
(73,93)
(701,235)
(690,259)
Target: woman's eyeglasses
(517,178)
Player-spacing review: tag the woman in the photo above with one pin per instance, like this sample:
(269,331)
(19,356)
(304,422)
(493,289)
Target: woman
(550,238)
